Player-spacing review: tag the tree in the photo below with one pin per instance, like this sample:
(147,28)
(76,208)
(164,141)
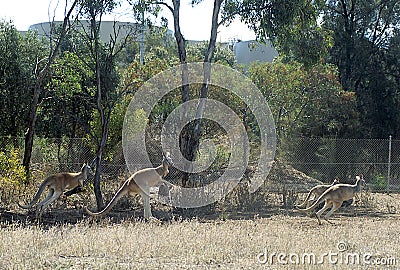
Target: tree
(40,72)
(16,54)
(306,102)
(291,25)
(67,102)
(102,61)
(191,140)
(363,33)
(267,17)
(222,55)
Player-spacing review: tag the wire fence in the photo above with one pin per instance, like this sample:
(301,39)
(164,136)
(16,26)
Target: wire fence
(322,159)
(326,159)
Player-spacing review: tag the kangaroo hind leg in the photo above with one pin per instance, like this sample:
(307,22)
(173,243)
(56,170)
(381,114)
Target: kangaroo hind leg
(146,204)
(322,210)
(48,197)
(335,206)
(51,197)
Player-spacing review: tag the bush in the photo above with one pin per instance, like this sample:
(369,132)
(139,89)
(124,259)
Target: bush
(12,175)
(11,169)
(379,182)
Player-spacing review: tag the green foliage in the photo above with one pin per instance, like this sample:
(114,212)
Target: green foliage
(94,8)
(137,122)
(222,55)
(18,56)
(68,101)
(221,156)
(308,102)
(309,46)
(379,182)
(291,25)
(364,38)
(69,75)
(158,44)
(11,171)
(136,74)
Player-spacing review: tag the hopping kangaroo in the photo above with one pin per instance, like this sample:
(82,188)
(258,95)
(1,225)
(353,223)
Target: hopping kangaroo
(57,184)
(316,192)
(335,196)
(140,183)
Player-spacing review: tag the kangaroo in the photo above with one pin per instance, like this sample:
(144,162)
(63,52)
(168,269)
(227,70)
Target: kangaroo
(335,196)
(139,184)
(316,192)
(57,184)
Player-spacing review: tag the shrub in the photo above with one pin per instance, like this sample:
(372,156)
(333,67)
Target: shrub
(12,175)
(379,182)
(11,169)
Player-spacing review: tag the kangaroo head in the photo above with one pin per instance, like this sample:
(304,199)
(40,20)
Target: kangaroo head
(360,179)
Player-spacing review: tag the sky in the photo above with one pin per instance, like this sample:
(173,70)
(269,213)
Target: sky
(195,22)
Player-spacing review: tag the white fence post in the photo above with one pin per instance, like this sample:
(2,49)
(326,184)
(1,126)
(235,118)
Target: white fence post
(389,161)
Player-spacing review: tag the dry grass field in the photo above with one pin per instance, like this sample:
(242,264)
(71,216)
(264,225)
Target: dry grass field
(365,236)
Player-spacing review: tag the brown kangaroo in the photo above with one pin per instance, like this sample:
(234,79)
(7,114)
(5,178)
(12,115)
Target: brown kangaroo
(140,183)
(335,196)
(57,184)
(316,192)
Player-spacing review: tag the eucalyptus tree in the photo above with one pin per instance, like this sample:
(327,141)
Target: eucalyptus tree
(41,70)
(18,54)
(102,61)
(67,105)
(306,102)
(364,38)
(190,134)
(291,25)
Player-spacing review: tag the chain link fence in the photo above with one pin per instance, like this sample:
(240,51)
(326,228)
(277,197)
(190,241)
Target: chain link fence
(326,159)
(322,159)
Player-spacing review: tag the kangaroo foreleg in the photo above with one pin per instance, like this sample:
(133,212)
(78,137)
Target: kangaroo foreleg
(73,191)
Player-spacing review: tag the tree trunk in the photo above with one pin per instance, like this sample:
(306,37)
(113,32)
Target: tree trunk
(184,136)
(96,184)
(193,138)
(31,128)
(103,140)
(37,90)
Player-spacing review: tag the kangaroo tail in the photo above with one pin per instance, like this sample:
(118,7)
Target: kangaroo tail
(320,199)
(305,201)
(37,196)
(120,193)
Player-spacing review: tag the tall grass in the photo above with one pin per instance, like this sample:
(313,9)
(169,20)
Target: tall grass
(191,244)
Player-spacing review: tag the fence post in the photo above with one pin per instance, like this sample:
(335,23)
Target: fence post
(389,162)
